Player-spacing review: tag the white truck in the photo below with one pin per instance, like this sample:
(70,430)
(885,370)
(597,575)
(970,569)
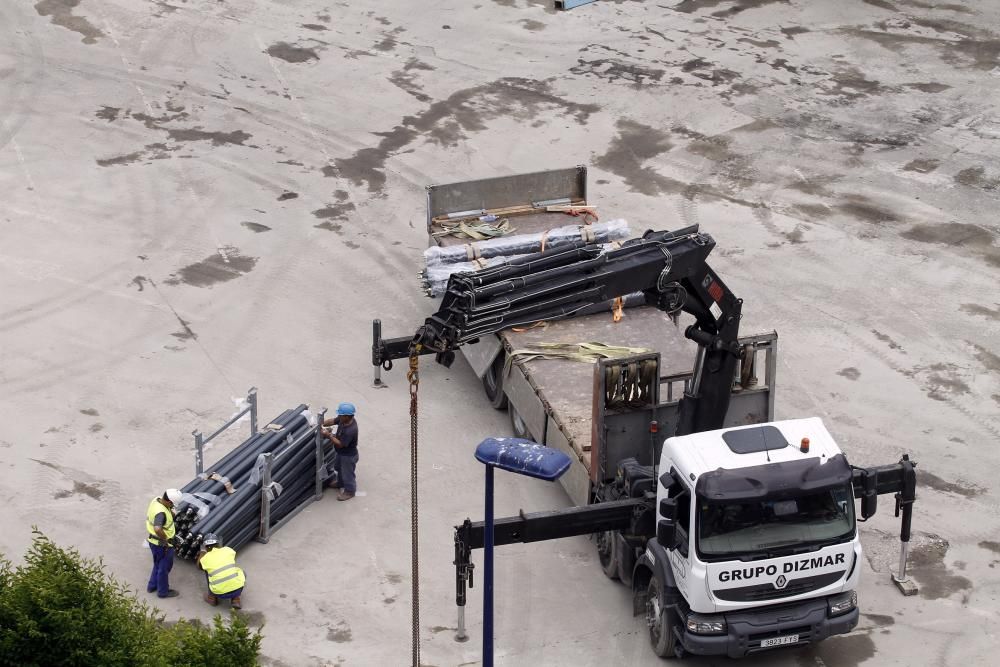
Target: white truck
(737,533)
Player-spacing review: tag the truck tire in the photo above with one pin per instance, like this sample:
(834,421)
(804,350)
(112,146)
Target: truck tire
(517,424)
(493,382)
(661,623)
(607,553)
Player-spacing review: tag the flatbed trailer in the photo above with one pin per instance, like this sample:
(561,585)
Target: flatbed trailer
(578,407)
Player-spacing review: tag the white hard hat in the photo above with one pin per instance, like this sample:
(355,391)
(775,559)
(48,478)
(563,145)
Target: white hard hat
(174,496)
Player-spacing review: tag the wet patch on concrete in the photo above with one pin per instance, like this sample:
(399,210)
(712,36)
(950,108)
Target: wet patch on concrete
(990,545)
(881,4)
(80,488)
(139,282)
(314,26)
(929,87)
(845,650)
(926,563)
(255,227)
(336,211)
(61,14)
(446,122)
(851,373)
(850,85)
(285,196)
(951,234)
(815,185)
(729,7)
(253,618)
(107,113)
(797,235)
(128,158)
(393,578)
(922,165)
(763,44)
(628,152)
(389,42)
(976,309)
(893,345)
(235,138)
(339,634)
(866,210)
(614,66)
(186,332)
(291,53)
(944,382)
(532,25)
(96,428)
(406,78)
(880,620)
(976,49)
(219,267)
(990,361)
(352,245)
(710,72)
(791,31)
(90,412)
(813,210)
(975,177)
(930,480)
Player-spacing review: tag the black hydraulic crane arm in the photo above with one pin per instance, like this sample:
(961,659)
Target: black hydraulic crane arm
(669,268)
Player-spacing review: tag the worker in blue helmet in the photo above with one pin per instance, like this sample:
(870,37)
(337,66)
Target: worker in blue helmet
(344,437)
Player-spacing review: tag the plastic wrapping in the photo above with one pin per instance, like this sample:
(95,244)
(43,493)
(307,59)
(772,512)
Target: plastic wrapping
(523,244)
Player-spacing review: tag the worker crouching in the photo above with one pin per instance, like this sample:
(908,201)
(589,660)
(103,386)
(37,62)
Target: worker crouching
(225,578)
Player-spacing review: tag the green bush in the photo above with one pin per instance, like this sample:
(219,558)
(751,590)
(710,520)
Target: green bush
(62,609)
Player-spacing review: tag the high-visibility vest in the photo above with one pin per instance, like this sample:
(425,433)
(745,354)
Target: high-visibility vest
(224,575)
(155,507)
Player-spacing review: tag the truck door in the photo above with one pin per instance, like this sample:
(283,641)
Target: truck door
(679,557)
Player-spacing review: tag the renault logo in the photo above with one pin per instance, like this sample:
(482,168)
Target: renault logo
(780,582)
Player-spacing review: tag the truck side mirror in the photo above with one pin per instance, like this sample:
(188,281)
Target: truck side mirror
(869,504)
(666,527)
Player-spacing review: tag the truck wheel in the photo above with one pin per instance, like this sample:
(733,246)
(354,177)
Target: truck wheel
(493,382)
(517,423)
(661,625)
(607,552)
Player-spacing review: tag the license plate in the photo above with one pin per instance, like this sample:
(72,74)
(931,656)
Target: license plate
(779,641)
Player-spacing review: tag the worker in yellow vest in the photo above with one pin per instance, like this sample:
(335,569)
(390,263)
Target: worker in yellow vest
(225,577)
(160,531)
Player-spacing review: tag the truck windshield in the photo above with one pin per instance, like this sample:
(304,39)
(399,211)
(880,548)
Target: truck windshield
(771,527)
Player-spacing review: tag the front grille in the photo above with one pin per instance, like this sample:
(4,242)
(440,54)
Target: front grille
(769,592)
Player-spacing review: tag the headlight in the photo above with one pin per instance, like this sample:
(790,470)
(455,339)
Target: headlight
(843,603)
(706,625)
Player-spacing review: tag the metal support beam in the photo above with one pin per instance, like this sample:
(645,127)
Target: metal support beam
(265,500)
(320,459)
(252,400)
(199,452)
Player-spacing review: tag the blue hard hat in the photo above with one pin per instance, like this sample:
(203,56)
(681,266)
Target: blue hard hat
(345,409)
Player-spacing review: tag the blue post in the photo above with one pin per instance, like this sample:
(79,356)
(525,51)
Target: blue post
(488,573)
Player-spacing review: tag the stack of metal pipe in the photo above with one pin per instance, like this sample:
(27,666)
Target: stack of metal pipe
(227,498)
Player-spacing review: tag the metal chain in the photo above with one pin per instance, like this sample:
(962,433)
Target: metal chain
(414,378)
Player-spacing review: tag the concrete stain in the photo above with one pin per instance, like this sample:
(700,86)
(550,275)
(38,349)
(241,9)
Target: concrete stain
(851,373)
(107,113)
(735,6)
(255,227)
(91,489)
(893,345)
(291,53)
(813,210)
(406,78)
(393,577)
(951,233)
(128,158)
(285,196)
(794,30)
(881,4)
(186,332)
(796,235)
(139,281)
(61,14)
(254,618)
(90,412)
(338,211)
(976,52)
(330,227)
(763,44)
(389,42)
(922,165)
(218,267)
(352,245)
(314,26)
(990,545)
(881,620)
(930,480)
(445,122)
(96,428)
(939,386)
(532,25)
(840,650)
(626,155)
(927,565)
(929,87)
(976,309)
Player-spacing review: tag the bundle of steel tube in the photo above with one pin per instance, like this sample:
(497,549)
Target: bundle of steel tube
(227,498)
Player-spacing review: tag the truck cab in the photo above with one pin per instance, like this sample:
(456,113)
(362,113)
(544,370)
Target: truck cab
(757,543)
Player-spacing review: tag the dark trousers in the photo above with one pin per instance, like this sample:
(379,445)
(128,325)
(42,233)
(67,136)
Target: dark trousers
(163,562)
(345,467)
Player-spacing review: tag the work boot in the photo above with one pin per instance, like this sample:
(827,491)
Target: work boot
(211,599)
(344,495)
(237,604)
(334,485)
(170,594)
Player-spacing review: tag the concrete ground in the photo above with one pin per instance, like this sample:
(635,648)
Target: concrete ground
(200,196)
